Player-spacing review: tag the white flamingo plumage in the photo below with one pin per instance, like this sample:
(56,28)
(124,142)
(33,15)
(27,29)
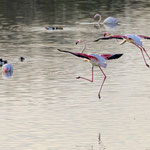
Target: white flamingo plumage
(7,68)
(95,60)
(109,20)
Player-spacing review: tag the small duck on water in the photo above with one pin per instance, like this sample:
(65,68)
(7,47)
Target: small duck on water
(54,28)
(22,59)
(2,62)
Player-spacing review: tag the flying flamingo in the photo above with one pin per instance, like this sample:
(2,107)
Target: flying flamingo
(109,20)
(5,66)
(131,38)
(107,34)
(95,60)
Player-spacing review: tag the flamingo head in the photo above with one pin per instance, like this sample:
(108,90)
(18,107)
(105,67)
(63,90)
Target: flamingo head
(106,34)
(78,41)
(97,15)
(84,45)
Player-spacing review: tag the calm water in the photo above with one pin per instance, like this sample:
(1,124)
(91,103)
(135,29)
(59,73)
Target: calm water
(43,106)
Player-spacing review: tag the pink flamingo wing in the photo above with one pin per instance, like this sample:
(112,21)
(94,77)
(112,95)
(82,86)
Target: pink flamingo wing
(117,36)
(106,56)
(92,57)
(143,36)
(85,56)
(111,56)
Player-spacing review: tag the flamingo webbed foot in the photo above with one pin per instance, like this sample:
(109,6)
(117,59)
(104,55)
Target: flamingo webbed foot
(78,77)
(99,96)
(147,65)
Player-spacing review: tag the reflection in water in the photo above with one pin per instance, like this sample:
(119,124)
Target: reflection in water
(108,20)
(54,28)
(111,27)
(7,75)
(108,27)
(42,107)
(101,146)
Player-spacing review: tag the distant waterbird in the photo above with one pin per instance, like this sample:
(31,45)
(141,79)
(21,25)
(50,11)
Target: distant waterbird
(109,20)
(21,59)
(54,28)
(2,62)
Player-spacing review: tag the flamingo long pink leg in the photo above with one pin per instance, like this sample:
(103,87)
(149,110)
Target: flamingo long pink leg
(141,48)
(86,78)
(102,82)
(146,52)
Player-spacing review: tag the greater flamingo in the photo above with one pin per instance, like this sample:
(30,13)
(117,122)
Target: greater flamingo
(109,20)
(5,66)
(131,38)
(95,60)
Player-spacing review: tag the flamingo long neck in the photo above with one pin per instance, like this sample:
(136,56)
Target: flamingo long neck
(84,46)
(100,18)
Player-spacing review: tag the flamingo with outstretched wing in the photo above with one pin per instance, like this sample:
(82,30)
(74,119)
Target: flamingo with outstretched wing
(131,38)
(95,60)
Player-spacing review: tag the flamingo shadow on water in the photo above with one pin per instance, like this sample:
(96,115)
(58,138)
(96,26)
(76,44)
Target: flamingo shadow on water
(131,38)
(95,60)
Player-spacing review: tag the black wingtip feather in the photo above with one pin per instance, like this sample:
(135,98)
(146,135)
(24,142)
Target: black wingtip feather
(64,51)
(96,40)
(115,56)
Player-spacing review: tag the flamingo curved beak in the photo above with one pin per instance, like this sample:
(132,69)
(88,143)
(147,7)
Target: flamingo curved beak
(77,42)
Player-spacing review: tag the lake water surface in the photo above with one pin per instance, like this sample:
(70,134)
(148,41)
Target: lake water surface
(42,104)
